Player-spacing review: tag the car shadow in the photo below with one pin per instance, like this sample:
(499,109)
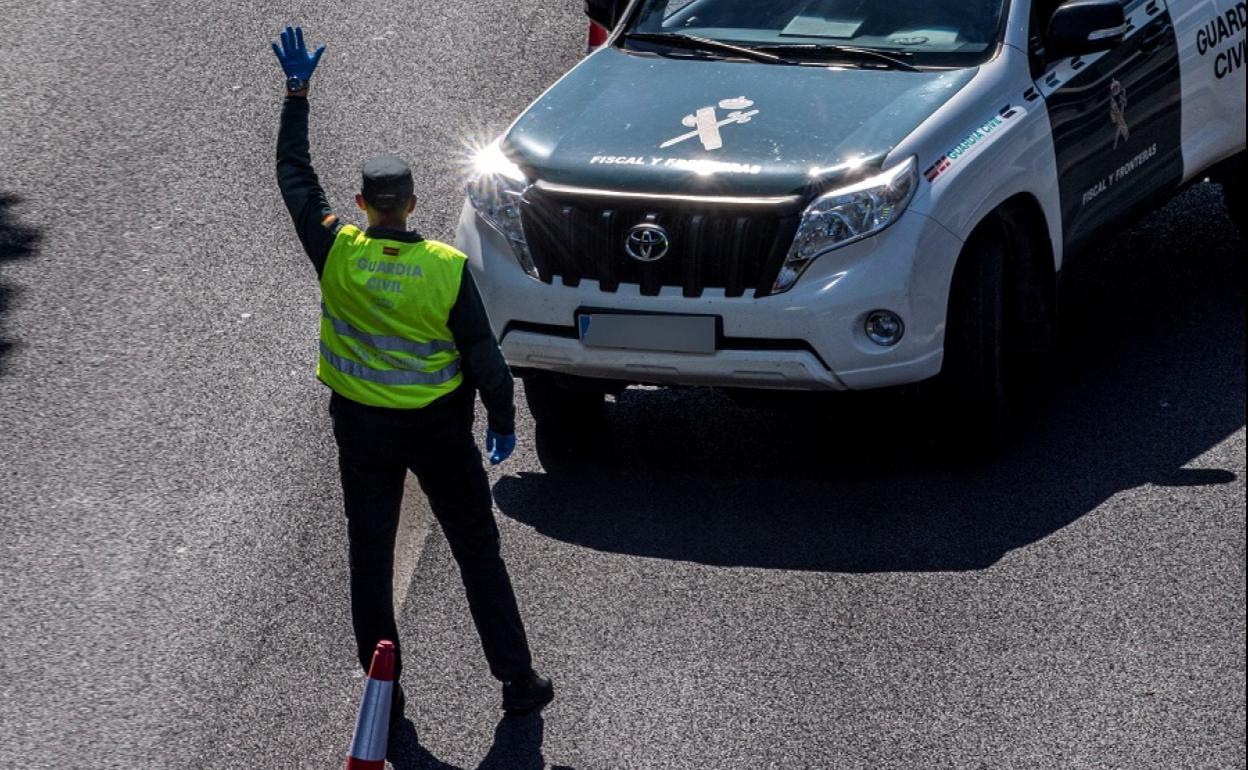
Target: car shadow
(1150,377)
(17,242)
(517,746)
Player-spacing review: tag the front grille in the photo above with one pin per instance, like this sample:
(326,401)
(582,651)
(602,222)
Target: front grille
(732,247)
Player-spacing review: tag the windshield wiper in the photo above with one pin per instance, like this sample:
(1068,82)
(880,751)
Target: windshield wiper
(696,43)
(831,51)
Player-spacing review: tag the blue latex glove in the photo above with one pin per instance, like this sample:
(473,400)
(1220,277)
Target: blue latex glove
(499,446)
(294,57)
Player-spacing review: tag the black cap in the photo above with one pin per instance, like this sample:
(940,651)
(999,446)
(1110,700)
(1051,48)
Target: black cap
(387,182)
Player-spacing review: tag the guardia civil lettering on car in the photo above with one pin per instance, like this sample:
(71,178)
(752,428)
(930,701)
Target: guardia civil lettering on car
(838,195)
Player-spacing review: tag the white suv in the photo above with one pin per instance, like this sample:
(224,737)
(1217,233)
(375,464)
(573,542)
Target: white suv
(837,195)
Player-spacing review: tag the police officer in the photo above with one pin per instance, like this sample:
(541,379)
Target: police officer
(405,343)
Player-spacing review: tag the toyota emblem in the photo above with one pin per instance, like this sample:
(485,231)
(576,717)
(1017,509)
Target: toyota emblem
(647,243)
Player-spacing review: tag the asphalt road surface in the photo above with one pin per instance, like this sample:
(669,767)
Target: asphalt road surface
(721,587)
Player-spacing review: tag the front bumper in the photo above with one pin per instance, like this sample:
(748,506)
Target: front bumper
(809,338)
(797,370)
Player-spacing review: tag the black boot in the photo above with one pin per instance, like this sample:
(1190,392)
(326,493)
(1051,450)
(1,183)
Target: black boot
(529,693)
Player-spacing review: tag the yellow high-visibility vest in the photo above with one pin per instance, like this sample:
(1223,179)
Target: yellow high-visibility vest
(384,309)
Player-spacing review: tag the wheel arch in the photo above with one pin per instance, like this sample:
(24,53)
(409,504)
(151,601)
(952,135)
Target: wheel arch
(1031,269)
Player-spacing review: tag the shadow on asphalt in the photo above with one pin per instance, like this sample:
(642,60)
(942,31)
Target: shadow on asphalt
(1150,377)
(517,746)
(16,242)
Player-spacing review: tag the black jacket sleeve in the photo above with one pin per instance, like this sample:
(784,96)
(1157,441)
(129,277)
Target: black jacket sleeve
(314,220)
(481,359)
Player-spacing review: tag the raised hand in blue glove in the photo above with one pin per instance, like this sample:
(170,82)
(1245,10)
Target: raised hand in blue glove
(296,62)
(499,446)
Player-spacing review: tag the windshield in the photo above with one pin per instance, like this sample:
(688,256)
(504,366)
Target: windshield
(924,31)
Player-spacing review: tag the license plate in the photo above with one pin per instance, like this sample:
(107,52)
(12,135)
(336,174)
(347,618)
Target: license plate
(664,333)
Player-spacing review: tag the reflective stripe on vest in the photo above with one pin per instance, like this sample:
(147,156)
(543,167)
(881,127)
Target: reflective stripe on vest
(384,310)
(389,376)
(423,349)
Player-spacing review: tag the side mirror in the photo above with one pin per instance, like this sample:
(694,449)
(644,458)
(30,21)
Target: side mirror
(1082,27)
(605,13)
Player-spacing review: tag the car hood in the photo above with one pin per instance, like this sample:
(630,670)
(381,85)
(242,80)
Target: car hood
(644,123)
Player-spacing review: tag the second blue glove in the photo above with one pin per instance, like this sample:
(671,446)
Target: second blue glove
(499,446)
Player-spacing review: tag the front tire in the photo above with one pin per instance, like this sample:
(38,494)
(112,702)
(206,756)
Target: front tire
(972,393)
(568,416)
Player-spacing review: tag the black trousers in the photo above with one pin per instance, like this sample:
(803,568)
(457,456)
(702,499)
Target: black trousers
(376,449)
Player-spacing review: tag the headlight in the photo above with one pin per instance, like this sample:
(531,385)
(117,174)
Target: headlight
(495,190)
(850,214)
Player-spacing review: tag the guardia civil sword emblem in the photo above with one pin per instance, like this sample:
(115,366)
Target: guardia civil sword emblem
(706,123)
(1118,112)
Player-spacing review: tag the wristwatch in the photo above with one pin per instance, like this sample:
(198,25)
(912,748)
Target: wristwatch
(295,85)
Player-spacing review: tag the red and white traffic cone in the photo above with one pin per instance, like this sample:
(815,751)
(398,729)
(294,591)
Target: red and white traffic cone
(372,726)
(597,36)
